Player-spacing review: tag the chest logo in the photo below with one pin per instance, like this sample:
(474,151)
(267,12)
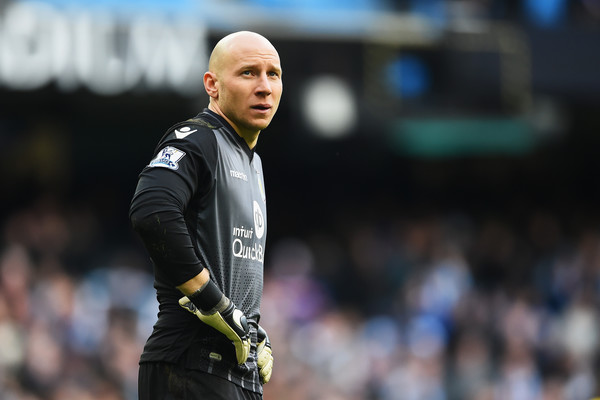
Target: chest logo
(259,221)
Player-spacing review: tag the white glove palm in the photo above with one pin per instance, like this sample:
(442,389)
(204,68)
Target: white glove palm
(264,355)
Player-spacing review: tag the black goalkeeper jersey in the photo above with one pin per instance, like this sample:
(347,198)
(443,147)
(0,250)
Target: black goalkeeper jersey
(200,202)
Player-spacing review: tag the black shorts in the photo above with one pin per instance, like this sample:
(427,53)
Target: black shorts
(164,381)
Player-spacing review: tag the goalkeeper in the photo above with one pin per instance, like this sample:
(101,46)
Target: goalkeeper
(200,210)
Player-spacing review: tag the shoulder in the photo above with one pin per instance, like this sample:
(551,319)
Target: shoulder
(196,135)
(191,142)
(191,130)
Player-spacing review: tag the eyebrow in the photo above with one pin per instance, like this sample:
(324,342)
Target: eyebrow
(246,66)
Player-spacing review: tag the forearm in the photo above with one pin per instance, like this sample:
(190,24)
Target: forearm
(191,286)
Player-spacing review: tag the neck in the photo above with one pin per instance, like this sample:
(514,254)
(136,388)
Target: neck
(251,138)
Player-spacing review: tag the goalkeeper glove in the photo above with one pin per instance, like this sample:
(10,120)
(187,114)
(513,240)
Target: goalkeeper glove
(213,308)
(264,355)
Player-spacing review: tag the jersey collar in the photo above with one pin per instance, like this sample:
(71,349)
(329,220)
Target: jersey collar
(229,129)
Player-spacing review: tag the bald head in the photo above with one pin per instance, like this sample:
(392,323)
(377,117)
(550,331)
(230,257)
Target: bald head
(237,42)
(244,82)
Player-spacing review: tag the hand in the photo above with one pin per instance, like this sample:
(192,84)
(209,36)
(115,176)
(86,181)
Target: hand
(227,319)
(264,355)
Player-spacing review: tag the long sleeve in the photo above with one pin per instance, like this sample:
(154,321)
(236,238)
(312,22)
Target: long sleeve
(183,169)
(157,215)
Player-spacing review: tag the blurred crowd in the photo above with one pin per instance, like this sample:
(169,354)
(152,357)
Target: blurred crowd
(436,308)
(73,315)
(440,307)
(392,306)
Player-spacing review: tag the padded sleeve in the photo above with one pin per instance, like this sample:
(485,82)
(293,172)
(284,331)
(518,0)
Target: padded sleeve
(181,169)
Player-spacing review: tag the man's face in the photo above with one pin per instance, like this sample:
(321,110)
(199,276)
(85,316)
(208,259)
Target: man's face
(249,86)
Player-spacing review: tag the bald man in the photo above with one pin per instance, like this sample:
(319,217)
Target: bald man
(200,210)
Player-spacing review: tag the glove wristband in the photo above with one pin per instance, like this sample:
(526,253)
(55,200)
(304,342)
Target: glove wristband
(209,298)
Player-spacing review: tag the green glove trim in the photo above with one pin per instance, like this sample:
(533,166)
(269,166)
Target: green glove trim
(227,319)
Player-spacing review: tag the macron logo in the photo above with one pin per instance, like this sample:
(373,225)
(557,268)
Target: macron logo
(238,175)
(183,132)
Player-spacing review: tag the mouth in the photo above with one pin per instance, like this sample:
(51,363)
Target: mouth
(261,107)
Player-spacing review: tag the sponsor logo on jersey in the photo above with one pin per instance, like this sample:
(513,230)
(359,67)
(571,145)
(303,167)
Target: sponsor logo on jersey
(238,175)
(242,232)
(244,245)
(168,157)
(243,249)
(254,252)
(183,132)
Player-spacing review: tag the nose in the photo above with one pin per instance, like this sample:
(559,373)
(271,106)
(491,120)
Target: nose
(264,85)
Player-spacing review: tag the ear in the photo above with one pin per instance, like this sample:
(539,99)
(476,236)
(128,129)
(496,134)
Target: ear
(211,84)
